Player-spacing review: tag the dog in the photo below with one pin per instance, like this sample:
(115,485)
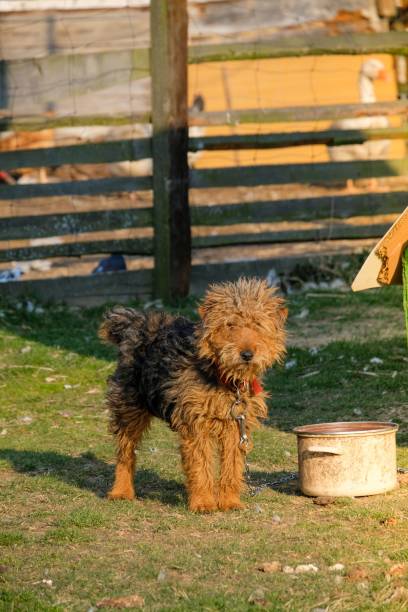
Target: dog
(202,378)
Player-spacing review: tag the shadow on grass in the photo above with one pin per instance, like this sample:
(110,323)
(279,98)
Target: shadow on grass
(90,473)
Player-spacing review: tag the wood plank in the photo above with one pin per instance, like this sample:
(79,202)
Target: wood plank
(280,174)
(308,209)
(98,152)
(43,121)
(42,226)
(299,113)
(405,286)
(114,151)
(293,139)
(88,187)
(332,231)
(168,23)
(91,290)
(394,43)
(134,246)
(234,117)
(305,209)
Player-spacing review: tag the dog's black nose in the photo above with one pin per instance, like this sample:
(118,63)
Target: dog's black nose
(247,355)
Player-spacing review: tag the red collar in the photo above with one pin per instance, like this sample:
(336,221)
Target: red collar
(255,385)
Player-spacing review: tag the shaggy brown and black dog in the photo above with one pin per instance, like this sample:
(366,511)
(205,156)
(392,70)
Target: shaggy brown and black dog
(202,378)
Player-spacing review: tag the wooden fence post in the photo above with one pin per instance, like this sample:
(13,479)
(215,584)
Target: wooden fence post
(168,25)
(4,98)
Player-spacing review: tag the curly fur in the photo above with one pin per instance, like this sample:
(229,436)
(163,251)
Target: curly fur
(188,374)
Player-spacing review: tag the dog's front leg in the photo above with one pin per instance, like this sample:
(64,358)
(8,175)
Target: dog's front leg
(197,453)
(232,467)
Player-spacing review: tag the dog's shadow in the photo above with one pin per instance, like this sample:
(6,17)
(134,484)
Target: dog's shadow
(90,473)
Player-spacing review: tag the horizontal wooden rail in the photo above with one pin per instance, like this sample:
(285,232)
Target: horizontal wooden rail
(219,177)
(293,139)
(94,63)
(394,43)
(92,153)
(307,209)
(235,117)
(115,151)
(144,245)
(88,187)
(42,226)
(280,174)
(299,113)
(89,290)
(134,246)
(39,122)
(327,231)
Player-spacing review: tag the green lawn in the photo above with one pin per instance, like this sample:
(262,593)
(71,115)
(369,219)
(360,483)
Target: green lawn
(63,546)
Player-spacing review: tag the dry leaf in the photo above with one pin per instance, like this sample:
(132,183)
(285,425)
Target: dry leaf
(399,569)
(131,601)
(93,391)
(269,568)
(357,574)
(389,522)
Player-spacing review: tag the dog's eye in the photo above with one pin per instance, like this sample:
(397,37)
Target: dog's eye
(230,325)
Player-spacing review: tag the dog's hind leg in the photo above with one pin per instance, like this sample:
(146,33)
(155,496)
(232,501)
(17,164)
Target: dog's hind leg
(197,454)
(128,438)
(232,467)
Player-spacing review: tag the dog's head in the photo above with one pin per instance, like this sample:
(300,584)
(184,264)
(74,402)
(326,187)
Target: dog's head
(242,331)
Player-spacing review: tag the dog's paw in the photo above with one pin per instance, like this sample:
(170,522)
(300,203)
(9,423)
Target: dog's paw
(130,495)
(230,503)
(202,505)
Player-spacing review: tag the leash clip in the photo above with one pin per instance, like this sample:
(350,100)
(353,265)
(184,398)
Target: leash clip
(240,419)
(243,438)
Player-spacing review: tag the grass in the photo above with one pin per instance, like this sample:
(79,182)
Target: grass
(63,546)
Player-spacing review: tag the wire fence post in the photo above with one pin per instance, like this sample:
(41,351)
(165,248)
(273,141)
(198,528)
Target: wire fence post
(172,238)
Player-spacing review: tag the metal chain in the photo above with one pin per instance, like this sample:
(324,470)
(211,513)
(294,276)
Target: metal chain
(243,444)
(254,490)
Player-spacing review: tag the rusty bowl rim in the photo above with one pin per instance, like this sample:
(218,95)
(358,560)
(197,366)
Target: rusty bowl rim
(316,430)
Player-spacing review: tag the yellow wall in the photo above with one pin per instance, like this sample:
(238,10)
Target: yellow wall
(283,83)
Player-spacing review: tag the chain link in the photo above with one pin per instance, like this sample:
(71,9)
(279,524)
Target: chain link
(254,490)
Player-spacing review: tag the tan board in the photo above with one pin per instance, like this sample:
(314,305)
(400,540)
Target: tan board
(383,265)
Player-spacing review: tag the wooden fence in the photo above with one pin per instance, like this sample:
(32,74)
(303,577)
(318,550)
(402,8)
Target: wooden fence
(163,231)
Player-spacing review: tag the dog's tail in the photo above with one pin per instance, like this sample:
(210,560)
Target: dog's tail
(117,322)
